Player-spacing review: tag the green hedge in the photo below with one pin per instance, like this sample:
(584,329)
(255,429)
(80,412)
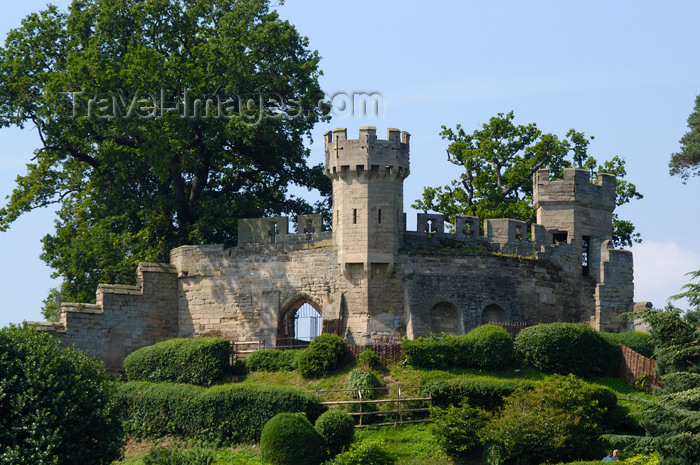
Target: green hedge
(272,360)
(487,346)
(565,348)
(223,414)
(487,394)
(200,361)
(635,340)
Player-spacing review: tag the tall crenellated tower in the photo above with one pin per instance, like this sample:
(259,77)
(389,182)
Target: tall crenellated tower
(367,175)
(578,212)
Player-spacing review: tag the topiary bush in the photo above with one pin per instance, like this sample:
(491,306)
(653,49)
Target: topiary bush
(366,381)
(200,361)
(224,414)
(368,360)
(57,406)
(567,348)
(491,346)
(290,439)
(323,355)
(337,429)
(272,360)
(635,340)
(365,453)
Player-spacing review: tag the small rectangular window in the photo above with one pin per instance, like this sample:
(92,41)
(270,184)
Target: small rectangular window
(379,216)
(354,216)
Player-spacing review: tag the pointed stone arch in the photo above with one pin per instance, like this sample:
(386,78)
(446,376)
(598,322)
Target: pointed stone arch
(286,328)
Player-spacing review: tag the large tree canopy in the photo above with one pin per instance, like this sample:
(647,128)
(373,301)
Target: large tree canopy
(162,122)
(498,162)
(686,163)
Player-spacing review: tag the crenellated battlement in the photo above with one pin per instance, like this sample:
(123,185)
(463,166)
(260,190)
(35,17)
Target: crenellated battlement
(367,155)
(575,188)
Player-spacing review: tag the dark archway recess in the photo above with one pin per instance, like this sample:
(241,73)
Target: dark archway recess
(445,318)
(493,314)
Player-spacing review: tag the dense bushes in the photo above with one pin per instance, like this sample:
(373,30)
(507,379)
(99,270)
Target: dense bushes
(56,406)
(456,429)
(174,456)
(635,340)
(272,360)
(368,360)
(487,346)
(225,414)
(324,354)
(556,420)
(365,453)
(567,348)
(487,394)
(289,439)
(337,429)
(200,361)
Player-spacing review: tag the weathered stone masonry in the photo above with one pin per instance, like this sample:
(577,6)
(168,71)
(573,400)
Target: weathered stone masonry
(370,279)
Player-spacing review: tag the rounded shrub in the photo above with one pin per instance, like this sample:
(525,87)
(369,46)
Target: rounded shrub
(200,361)
(456,429)
(272,360)
(337,429)
(429,352)
(567,348)
(365,381)
(56,406)
(324,354)
(290,439)
(368,359)
(491,346)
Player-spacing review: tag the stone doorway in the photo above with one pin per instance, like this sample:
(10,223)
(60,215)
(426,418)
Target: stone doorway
(300,322)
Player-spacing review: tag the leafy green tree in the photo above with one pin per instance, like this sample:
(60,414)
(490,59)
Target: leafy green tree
(686,163)
(56,406)
(161,123)
(498,162)
(457,429)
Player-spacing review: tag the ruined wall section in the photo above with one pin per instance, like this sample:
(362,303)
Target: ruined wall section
(124,318)
(523,289)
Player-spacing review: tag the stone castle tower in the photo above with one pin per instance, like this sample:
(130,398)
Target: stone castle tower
(370,279)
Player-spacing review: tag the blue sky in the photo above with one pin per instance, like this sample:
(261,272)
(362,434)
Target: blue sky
(624,72)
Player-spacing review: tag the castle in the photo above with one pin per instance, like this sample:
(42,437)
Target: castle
(370,279)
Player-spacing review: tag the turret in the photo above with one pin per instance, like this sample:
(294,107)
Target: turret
(367,175)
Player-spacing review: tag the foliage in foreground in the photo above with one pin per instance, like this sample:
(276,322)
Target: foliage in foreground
(558,419)
(365,453)
(200,361)
(56,406)
(457,429)
(324,354)
(337,429)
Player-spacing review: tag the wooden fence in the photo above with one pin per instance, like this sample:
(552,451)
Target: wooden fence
(637,370)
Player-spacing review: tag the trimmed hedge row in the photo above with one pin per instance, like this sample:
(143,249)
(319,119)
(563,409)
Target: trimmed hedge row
(272,360)
(487,346)
(565,348)
(635,340)
(487,394)
(223,414)
(200,361)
